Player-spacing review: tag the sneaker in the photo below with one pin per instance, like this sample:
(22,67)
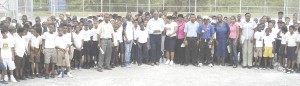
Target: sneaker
(69,74)
(210,65)
(60,75)
(200,64)
(171,63)
(5,78)
(167,62)
(12,79)
(3,82)
(47,76)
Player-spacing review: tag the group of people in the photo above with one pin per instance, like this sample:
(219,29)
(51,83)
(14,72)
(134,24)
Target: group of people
(54,47)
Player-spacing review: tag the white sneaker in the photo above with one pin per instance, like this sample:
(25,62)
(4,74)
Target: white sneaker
(200,64)
(171,63)
(12,79)
(167,62)
(210,65)
(5,78)
(60,75)
(69,74)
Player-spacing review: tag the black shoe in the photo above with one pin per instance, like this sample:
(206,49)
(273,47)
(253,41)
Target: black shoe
(112,66)
(33,76)
(249,67)
(39,75)
(22,78)
(47,76)
(107,68)
(30,77)
(234,66)
(244,66)
(186,64)
(139,64)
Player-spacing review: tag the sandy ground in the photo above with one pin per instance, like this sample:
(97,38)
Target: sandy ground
(165,75)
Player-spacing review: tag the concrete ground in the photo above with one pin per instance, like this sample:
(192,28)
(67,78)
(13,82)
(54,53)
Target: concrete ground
(165,75)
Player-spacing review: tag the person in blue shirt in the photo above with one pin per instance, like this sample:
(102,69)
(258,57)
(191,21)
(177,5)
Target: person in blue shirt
(206,32)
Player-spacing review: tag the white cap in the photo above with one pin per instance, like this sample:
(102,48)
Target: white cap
(206,17)
(100,18)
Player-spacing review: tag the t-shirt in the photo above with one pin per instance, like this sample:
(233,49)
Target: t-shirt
(49,39)
(283,38)
(36,41)
(19,46)
(129,30)
(27,39)
(86,34)
(171,28)
(135,32)
(259,38)
(6,45)
(143,36)
(233,30)
(115,35)
(94,34)
(268,40)
(292,39)
(120,32)
(68,37)
(77,38)
(61,42)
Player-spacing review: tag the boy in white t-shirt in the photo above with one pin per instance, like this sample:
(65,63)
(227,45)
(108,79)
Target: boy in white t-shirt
(78,44)
(134,51)
(69,54)
(291,49)
(281,53)
(35,49)
(49,51)
(142,39)
(268,45)
(258,37)
(86,33)
(94,50)
(115,47)
(19,60)
(7,55)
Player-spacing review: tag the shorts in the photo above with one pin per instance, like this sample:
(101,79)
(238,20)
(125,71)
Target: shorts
(34,57)
(291,55)
(170,44)
(63,58)
(19,62)
(86,48)
(50,55)
(258,52)
(8,62)
(268,52)
(2,66)
(94,48)
(282,51)
(121,48)
(77,55)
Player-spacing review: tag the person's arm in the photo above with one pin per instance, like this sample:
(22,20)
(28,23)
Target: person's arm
(238,35)
(13,53)
(99,35)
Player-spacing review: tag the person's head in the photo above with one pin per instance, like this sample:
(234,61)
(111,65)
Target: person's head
(239,16)
(60,31)
(37,19)
(291,29)
(284,29)
(155,15)
(193,18)
(270,24)
(180,18)
(4,32)
(11,29)
(77,28)
(260,27)
(129,16)
(95,23)
(106,18)
(256,20)
(248,16)
(280,24)
(62,16)
(220,17)
(205,19)
(24,18)
(232,19)
(51,28)
(280,14)
(165,12)
(267,31)
(265,18)
(34,32)
(20,31)
(145,22)
(135,23)
(295,16)
(8,19)
(169,19)
(86,25)
(287,20)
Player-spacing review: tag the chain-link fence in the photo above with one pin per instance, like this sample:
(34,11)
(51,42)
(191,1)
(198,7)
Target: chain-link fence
(200,7)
